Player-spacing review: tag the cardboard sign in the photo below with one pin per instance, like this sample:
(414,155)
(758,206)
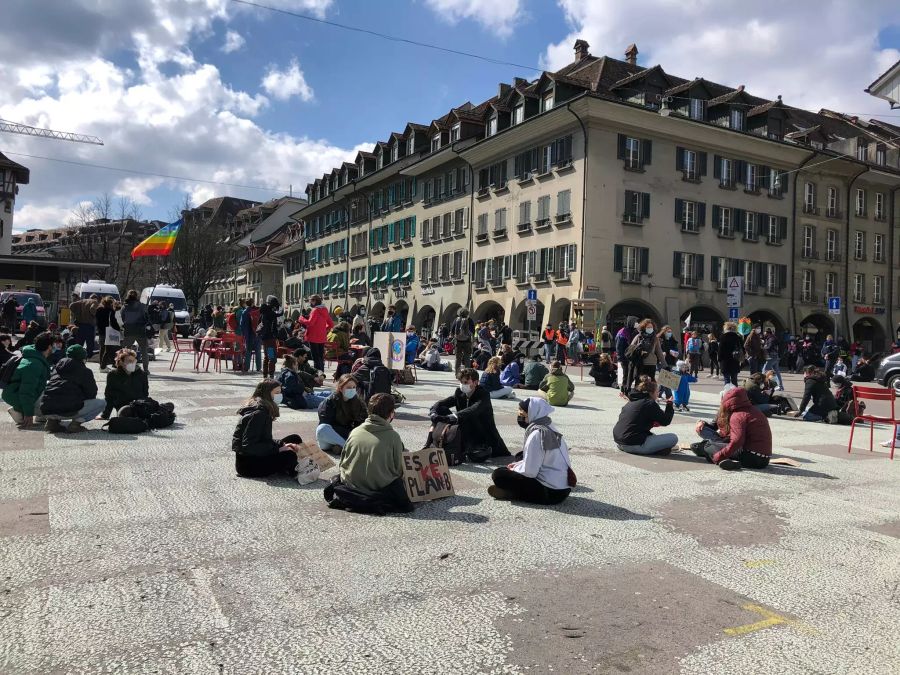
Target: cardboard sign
(315,453)
(666,378)
(426,475)
(392,347)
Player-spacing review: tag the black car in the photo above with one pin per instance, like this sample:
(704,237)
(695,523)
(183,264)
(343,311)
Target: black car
(888,372)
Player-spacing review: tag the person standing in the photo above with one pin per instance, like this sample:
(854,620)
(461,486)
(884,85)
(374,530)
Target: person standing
(135,321)
(753,346)
(29,311)
(317,326)
(731,353)
(549,336)
(269,315)
(646,352)
(10,308)
(670,346)
(248,326)
(623,339)
(462,330)
(106,318)
(694,351)
(167,323)
(773,356)
(830,351)
(606,341)
(83,316)
(712,348)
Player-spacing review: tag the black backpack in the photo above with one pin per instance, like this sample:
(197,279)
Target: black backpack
(6,372)
(157,415)
(126,425)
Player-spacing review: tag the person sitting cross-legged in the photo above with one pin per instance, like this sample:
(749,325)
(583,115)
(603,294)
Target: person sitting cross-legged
(125,383)
(339,414)
(490,379)
(256,453)
(71,393)
(739,437)
(632,432)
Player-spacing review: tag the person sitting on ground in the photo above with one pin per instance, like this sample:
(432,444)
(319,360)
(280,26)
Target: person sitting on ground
(739,437)
(71,393)
(304,366)
(372,461)
(26,386)
(541,476)
(6,350)
(603,370)
(256,453)
(480,356)
(338,341)
(412,345)
(534,374)
(490,379)
(559,388)
(359,338)
(784,402)
(297,386)
(682,395)
(32,330)
(816,391)
(840,368)
(864,371)
(431,358)
(632,432)
(374,374)
(474,415)
(339,414)
(510,376)
(755,386)
(125,383)
(58,353)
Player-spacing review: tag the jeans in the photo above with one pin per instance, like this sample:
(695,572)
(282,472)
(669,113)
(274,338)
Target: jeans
(715,443)
(462,356)
(86,337)
(91,409)
(773,364)
(141,339)
(754,365)
(714,365)
(270,357)
(314,400)
(327,437)
(729,377)
(502,392)
(252,348)
(527,489)
(654,444)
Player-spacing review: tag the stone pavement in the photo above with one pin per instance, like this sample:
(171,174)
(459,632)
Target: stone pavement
(148,555)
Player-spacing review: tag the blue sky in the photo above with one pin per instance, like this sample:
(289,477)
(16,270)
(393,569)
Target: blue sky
(155,81)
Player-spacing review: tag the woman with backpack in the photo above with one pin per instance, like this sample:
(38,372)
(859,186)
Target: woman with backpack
(256,453)
(298,386)
(543,473)
(645,352)
(126,383)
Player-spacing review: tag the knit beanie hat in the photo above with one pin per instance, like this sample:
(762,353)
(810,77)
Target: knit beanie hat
(76,352)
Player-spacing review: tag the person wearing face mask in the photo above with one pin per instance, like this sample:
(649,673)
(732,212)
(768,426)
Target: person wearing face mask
(317,326)
(632,433)
(753,345)
(645,352)
(339,414)
(59,350)
(669,344)
(6,350)
(125,383)
(412,345)
(542,474)
(298,386)
(256,453)
(474,415)
(731,353)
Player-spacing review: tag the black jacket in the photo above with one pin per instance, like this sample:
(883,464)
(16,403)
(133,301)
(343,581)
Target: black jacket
(253,433)
(292,389)
(268,322)
(105,318)
(342,415)
(669,344)
(816,389)
(476,419)
(375,374)
(864,373)
(28,337)
(122,388)
(5,355)
(70,385)
(729,344)
(638,417)
(604,376)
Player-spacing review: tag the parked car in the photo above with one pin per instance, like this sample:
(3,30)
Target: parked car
(21,299)
(170,296)
(888,372)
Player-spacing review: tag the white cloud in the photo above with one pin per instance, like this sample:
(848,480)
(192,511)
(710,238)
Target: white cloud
(498,17)
(283,84)
(815,53)
(233,42)
(41,217)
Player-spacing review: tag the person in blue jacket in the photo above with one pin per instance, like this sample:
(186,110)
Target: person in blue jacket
(683,393)
(412,344)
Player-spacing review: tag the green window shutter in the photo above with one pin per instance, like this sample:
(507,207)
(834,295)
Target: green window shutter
(402,224)
(391,233)
(412,227)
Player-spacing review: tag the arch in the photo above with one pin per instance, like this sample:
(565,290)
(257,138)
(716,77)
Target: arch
(449,313)
(765,318)
(377,311)
(817,324)
(401,307)
(617,314)
(560,311)
(489,309)
(704,318)
(424,320)
(518,319)
(870,334)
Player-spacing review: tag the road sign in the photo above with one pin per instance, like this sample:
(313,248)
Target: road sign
(734,289)
(733,312)
(834,305)
(531,312)
(532,294)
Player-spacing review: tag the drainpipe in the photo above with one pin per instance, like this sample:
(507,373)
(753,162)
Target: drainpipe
(847,251)
(583,198)
(471,226)
(795,328)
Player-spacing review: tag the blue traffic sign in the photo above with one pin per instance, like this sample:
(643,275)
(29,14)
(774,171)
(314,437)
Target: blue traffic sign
(834,304)
(733,312)
(532,294)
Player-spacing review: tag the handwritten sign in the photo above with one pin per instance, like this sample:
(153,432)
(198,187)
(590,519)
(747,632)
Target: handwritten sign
(426,475)
(313,452)
(666,378)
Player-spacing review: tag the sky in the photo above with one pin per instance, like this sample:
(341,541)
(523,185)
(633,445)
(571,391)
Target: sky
(216,90)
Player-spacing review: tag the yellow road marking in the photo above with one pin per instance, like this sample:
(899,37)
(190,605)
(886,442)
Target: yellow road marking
(753,564)
(770,619)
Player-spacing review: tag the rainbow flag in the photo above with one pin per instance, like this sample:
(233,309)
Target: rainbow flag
(159,243)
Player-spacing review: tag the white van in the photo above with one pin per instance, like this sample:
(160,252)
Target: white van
(98,287)
(170,296)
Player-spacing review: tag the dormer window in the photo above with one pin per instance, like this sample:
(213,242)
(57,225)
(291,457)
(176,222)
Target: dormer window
(862,150)
(698,109)
(411,144)
(880,154)
(454,132)
(395,152)
(492,125)
(436,142)
(737,119)
(547,102)
(362,168)
(379,159)
(519,114)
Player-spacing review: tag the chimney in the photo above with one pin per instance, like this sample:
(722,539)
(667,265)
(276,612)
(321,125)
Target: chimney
(503,90)
(581,50)
(631,54)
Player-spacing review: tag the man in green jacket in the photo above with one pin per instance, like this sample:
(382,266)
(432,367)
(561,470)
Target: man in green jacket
(372,458)
(534,373)
(560,389)
(26,387)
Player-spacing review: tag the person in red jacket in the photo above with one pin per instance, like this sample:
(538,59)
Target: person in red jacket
(740,436)
(317,326)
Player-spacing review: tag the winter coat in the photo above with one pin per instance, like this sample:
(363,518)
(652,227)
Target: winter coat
(604,375)
(29,311)
(731,352)
(341,339)
(83,311)
(292,389)
(623,339)
(816,389)
(253,434)
(864,372)
(649,346)
(534,373)
(749,428)
(372,457)
(510,375)
(249,322)
(343,415)
(122,387)
(106,317)
(754,347)
(10,307)
(28,382)
(268,319)
(134,317)
(71,384)
(558,386)
(476,419)
(682,395)
(317,325)
(412,347)
(638,417)
(375,374)
(490,381)
(771,346)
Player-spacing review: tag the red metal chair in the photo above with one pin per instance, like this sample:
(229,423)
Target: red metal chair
(331,352)
(182,346)
(231,349)
(865,395)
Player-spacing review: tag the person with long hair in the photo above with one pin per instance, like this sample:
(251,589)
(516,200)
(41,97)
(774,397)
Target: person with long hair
(125,383)
(646,352)
(731,353)
(339,414)
(256,453)
(490,379)
(317,326)
(670,346)
(106,318)
(632,433)
(739,437)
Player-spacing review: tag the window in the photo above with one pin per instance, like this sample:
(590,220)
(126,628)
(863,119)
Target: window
(686,213)
(880,154)
(750,279)
(478,274)
(563,206)
(726,172)
(723,222)
(563,261)
(459,221)
(879,206)
(520,268)
(458,265)
(831,284)
(860,202)
(773,279)
(635,151)
(697,109)
(543,214)
(632,153)
(859,250)
(862,150)
(776,230)
(411,144)
(807,286)
(519,114)
(809,242)
(445,265)
(500,223)
(877,290)
(436,142)
(492,125)
(690,165)
(859,288)
(395,152)
(878,248)
(737,119)
(777,183)
(454,132)
(524,217)
(547,102)
(809,198)
(435,269)
(750,232)
(424,271)
(631,261)
(831,246)
(482,231)
(831,208)
(637,207)
(751,182)
(687,265)
(447,226)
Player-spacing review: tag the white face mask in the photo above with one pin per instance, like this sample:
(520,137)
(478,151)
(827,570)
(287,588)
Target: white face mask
(277,398)
(349,394)
(130,367)
(466,389)
(649,330)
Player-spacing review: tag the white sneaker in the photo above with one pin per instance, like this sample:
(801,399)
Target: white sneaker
(779,388)
(887,443)
(17,417)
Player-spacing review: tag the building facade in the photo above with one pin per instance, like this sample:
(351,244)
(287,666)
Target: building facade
(12,174)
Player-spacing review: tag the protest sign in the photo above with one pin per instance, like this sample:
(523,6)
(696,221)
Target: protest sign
(666,378)
(313,451)
(426,475)
(392,347)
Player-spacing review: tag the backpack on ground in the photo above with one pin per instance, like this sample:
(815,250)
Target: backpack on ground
(157,415)
(6,372)
(404,376)
(447,438)
(126,425)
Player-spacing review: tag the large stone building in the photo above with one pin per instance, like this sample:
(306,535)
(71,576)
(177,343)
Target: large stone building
(620,185)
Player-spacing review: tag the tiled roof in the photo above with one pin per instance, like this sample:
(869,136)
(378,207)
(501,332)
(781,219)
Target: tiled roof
(883,75)
(21,172)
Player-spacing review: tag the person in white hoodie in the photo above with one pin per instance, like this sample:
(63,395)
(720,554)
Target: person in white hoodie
(543,474)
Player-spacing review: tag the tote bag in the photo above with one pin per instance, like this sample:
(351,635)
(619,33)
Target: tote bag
(113,337)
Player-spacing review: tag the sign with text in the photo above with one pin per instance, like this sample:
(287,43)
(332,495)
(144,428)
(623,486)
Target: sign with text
(313,451)
(667,378)
(734,289)
(392,347)
(426,475)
